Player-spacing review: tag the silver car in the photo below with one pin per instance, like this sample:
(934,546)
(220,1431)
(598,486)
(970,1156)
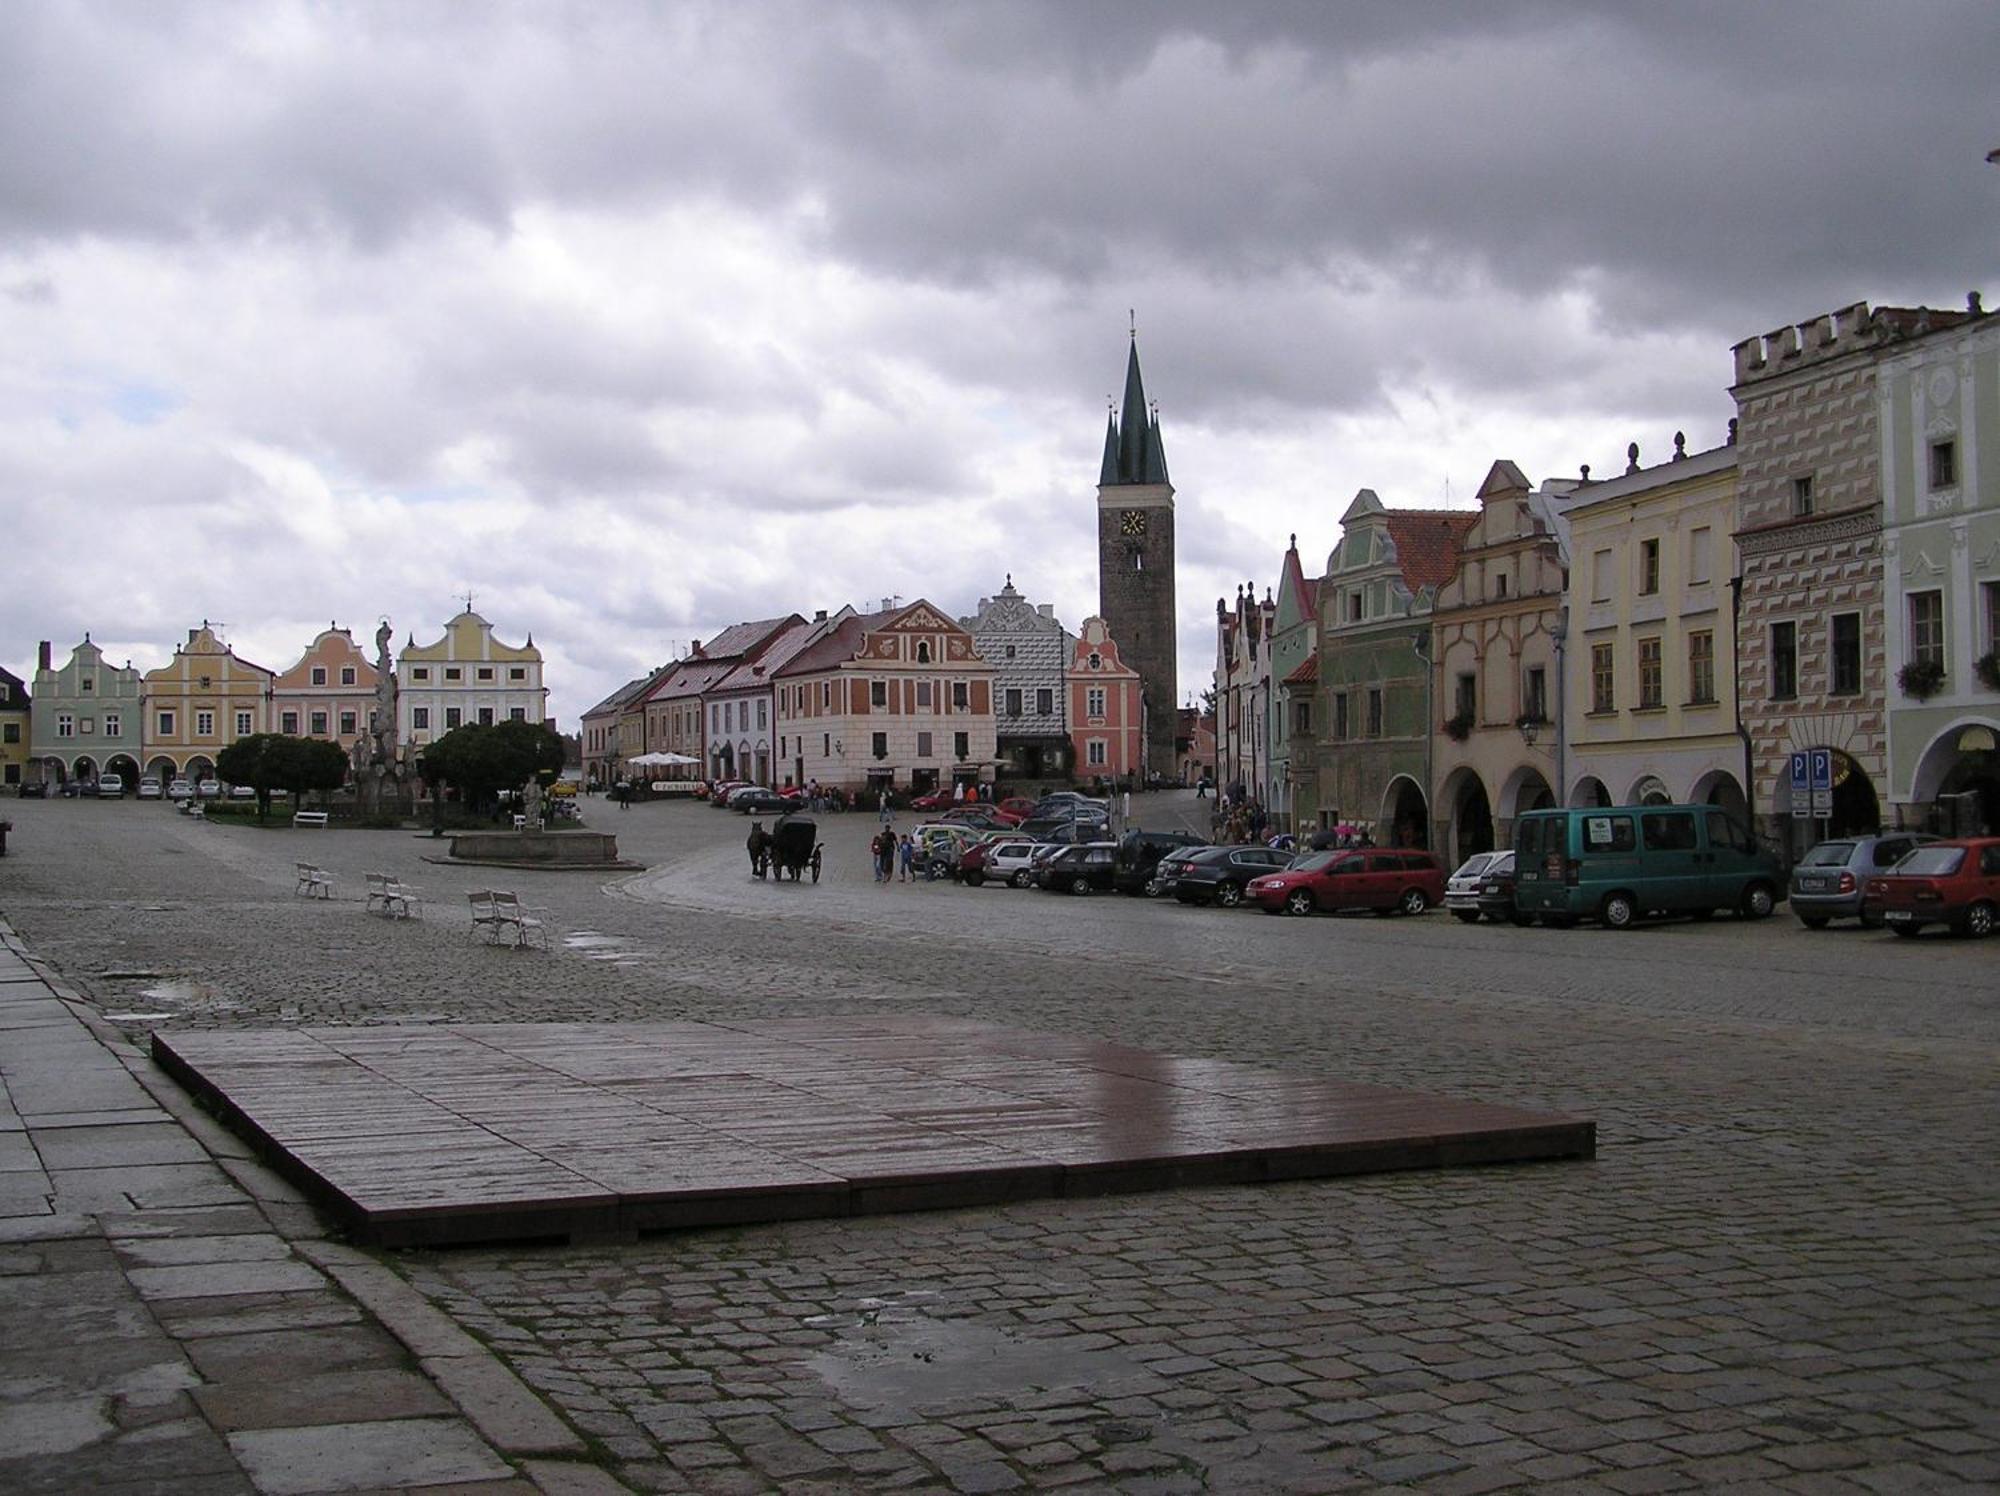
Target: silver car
(1828,881)
(1461,889)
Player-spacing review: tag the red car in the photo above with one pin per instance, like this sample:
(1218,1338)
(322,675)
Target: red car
(1020,807)
(1955,883)
(937,799)
(1386,881)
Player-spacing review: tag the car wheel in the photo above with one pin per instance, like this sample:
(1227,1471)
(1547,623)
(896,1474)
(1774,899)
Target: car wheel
(1414,901)
(1618,911)
(1470,916)
(1018,880)
(1228,895)
(1079,886)
(1758,901)
(973,880)
(1905,930)
(1299,901)
(1813,921)
(1976,922)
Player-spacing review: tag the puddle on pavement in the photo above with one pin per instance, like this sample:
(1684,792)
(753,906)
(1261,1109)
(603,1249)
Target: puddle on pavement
(600,947)
(897,1355)
(174,998)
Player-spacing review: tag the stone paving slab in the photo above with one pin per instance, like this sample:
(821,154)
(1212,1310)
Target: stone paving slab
(485,1132)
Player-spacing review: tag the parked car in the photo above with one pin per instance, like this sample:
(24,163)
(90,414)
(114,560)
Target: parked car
(1139,855)
(242,792)
(1386,881)
(1008,861)
(759,802)
(33,789)
(1620,864)
(1066,829)
(937,799)
(1831,881)
(1954,883)
(149,786)
(1496,893)
(720,791)
(1080,869)
(1219,875)
(110,786)
(180,789)
(980,817)
(208,789)
(1019,806)
(1461,889)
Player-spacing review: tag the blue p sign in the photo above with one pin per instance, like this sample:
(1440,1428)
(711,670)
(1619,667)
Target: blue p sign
(1800,766)
(1822,768)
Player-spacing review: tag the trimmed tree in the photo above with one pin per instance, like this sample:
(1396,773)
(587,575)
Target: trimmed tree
(481,762)
(268,761)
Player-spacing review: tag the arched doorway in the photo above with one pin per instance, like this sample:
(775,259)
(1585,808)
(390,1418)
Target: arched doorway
(55,771)
(125,767)
(1718,787)
(1589,793)
(83,769)
(1525,790)
(163,768)
(1471,815)
(1649,789)
(1856,810)
(1959,778)
(1405,816)
(199,767)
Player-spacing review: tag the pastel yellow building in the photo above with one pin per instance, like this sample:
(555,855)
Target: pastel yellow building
(199,703)
(467,677)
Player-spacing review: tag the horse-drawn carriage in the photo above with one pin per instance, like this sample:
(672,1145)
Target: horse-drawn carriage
(789,847)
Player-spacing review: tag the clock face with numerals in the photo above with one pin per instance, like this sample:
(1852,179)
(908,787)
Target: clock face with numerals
(1132,522)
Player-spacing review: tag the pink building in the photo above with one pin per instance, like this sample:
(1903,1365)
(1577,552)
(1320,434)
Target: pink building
(328,693)
(1107,720)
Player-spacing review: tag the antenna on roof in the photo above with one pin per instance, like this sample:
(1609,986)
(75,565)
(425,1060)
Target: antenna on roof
(468,599)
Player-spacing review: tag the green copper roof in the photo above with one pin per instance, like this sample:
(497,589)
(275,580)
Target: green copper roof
(1133,452)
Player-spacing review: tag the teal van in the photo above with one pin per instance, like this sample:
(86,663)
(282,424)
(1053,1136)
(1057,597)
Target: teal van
(1624,863)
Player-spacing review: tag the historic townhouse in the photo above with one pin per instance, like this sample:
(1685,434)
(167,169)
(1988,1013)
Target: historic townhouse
(1494,631)
(1649,708)
(329,693)
(467,677)
(897,698)
(15,728)
(746,699)
(199,703)
(676,711)
(1374,708)
(1295,670)
(85,718)
(1939,403)
(1106,708)
(1029,652)
(603,748)
(1243,693)
(1812,668)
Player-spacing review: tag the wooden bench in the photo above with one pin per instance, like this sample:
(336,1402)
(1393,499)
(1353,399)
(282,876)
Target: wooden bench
(309,818)
(390,896)
(313,882)
(499,915)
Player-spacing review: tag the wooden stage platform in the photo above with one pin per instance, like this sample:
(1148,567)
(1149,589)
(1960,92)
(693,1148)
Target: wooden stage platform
(484,1132)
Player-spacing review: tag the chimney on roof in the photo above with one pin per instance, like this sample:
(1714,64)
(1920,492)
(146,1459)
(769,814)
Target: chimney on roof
(1047,610)
(1632,458)
(820,616)
(1972,306)
(42,656)
(888,603)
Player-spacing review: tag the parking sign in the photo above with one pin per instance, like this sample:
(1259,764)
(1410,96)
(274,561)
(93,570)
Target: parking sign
(1822,769)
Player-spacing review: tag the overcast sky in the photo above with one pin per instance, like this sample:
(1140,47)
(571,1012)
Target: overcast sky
(636,320)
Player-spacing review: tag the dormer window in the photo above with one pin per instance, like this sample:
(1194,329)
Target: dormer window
(1096,661)
(86,683)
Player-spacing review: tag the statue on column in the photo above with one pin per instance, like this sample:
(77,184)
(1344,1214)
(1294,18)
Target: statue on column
(382,720)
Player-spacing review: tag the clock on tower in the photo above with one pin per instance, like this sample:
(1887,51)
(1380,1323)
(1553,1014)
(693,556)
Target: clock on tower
(1132,522)
(1135,559)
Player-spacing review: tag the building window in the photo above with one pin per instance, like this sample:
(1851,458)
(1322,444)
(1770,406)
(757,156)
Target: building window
(1500,585)
(319,675)
(1340,715)
(1649,567)
(10,732)
(486,672)
(1927,628)
(347,675)
(924,694)
(1802,495)
(486,716)
(1302,717)
(1600,577)
(420,672)
(1603,679)
(1465,698)
(961,695)
(1701,667)
(204,724)
(86,685)
(1844,669)
(243,728)
(453,672)
(66,724)
(1093,703)
(1374,711)
(1138,559)
(348,724)
(879,744)
(1944,464)
(288,724)
(923,652)
(164,721)
(1535,694)
(1354,606)
(1013,701)
(319,724)
(1990,591)
(878,693)
(517,672)
(1045,701)
(1093,753)
(420,718)
(763,715)
(453,717)
(923,745)
(1651,687)
(517,714)
(1700,546)
(111,724)
(1784,661)
(961,745)
(825,694)
(1010,651)
(826,745)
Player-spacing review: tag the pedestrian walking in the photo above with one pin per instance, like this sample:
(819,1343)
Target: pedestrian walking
(887,814)
(908,848)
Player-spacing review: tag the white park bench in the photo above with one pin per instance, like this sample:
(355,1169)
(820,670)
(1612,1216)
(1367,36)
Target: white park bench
(391,897)
(314,882)
(309,818)
(499,916)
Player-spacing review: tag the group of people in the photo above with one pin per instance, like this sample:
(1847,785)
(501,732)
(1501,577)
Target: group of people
(895,856)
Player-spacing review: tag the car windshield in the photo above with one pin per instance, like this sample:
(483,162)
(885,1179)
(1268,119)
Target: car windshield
(1312,862)
(1829,854)
(1932,862)
(1476,864)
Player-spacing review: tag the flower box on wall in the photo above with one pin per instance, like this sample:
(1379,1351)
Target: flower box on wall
(1458,728)
(1987,668)
(1921,679)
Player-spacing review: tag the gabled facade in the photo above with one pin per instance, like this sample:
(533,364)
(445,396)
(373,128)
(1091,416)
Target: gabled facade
(329,694)
(1939,408)
(16,728)
(1649,690)
(200,702)
(1289,712)
(1105,709)
(468,676)
(85,716)
(1135,557)
(745,699)
(601,741)
(1030,654)
(1194,745)
(1374,694)
(1243,694)
(1493,647)
(896,699)
(674,714)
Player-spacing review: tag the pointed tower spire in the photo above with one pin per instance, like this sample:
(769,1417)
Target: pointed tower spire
(1108,474)
(1134,430)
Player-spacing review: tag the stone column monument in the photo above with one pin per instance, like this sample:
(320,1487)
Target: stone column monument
(382,780)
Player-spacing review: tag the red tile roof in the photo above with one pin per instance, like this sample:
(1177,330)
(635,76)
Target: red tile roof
(1307,674)
(1427,543)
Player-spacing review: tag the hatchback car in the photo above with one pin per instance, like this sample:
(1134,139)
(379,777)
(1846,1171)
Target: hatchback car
(110,786)
(1496,893)
(1831,881)
(149,787)
(208,789)
(1008,861)
(1461,890)
(1955,883)
(1388,882)
(1084,868)
(1219,875)
(759,802)
(180,789)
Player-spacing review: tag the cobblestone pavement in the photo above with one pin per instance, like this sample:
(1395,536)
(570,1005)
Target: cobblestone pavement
(1778,1273)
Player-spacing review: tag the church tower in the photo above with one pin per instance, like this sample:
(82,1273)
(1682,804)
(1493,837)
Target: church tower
(1135,558)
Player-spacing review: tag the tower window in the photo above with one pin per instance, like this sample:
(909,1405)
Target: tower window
(1138,559)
